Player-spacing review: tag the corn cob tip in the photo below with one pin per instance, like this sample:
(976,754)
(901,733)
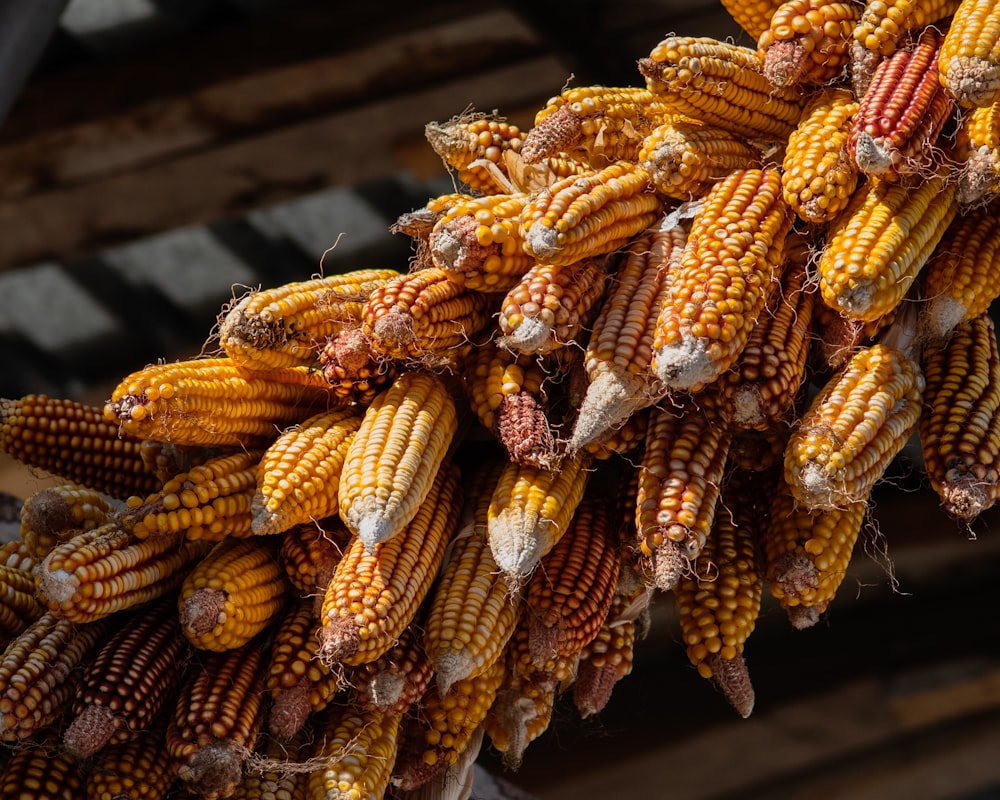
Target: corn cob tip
(748,406)
(686,365)
(530,336)
(794,575)
(513,713)
(972,81)
(339,639)
(593,687)
(449,667)
(733,678)
(385,689)
(523,428)
(290,710)
(977,178)
(668,563)
(870,156)
(802,617)
(939,316)
(609,401)
(214,771)
(90,731)
(455,246)
(965,496)
(202,611)
(543,641)
(514,545)
(56,587)
(542,241)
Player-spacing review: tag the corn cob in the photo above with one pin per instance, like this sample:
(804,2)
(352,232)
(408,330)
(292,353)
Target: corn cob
(357,749)
(473,607)
(520,714)
(977,152)
(211,502)
(685,158)
(970,56)
(397,679)
(217,719)
(961,278)
(418,223)
(375,592)
(299,474)
(107,570)
(237,590)
(18,606)
(678,484)
(40,771)
(882,24)
(275,771)
(466,141)
(753,17)
(356,374)
(589,215)
(727,269)
(523,427)
(137,769)
(836,337)
(392,460)
(492,373)
(756,451)
(595,124)
(854,427)
(881,241)
(901,114)
(818,175)
(298,683)
(39,672)
(132,677)
(456,781)
(434,739)
(289,324)
(550,305)
(623,440)
(423,314)
(40,431)
(215,402)
(50,516)
(806,553)
(15,554)
(310,551)
(960,421)
(529,512)
(721,84)
(807,42)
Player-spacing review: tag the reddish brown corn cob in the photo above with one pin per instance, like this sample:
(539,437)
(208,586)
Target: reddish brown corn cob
(595,124)
(721,84)
(210,502)
(397,679)
(977,151)
(466,141)
(685,157)
(970,56)
(215,402)
(524,428)
(726,271)
(589,215)
(289,324)
(39,431)
(132,677)
(392,460)
(960,422)
(135,769)
(880,242)
(41,771)
(961,278)
(299,474)
(375,592)
(52,515)
(39,672)
(901,114)
(423,314)
(807,42)
(357,749)
(18,606)
(529,511)
(818,175)
(217,718)
(550,305)
(356,374)
(107,570)
(807,552)
(233,593)
(752,17)
(310,551)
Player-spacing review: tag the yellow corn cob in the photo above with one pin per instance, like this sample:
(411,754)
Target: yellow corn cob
(685,157)
(595,124)
(961,278)
(492,373)
(215,402)
(18,606)
(235,591)
(217,718)
(354,371)
(375,592)
(289,324)
(551,305)
(753,17)
(132,677)
(310,551)
(960,422)
(275,772)
(721,84)
(761,388)
(210,502)
(728,267)
(895,129)
(854,427)
(473,607)
(970,56)
(15,554)
(357,750)
(299,474)
(977,151)
(881,241)
(50,516)
(40,771)
(436,737)
(882,24)
(529,511)
(818,175)
(465,141)
(39,672)
(423,314)
(589,215)
(620,349)
(107,570)
(520,714)
(137,768)
(72,440)
(397,679)
(807,42)
(806,553)
(298,683)
(678,484)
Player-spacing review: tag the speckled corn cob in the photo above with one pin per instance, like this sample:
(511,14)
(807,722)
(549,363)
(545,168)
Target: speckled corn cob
(138,769)
(970,56)
(492,373)
(397,679)
(41,771)
(807,42)
(357,748)
(464,142)
(50,516)
(355,372)
(977,151)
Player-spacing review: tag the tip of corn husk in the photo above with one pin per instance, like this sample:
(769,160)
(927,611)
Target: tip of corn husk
(611,398)
(542,241)
(685,365)
(733,678)
(514,538)
(56,587)
(338,640)
(215,770)
(967,496)
(385,689)
(972,81)
(449,667)
(871,156)
(369,520)
(748,406)
(593,687)
(266,520)
(940,316)
(816,490)
(290,710)
(202,611)
(91,730)
(803,617)
(979,177)
(531,336)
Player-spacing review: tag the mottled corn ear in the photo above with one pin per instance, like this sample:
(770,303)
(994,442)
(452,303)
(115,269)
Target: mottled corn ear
(492,373)
(464,142)
(807,42)
(398,678)
(41,771)
(355,372)
(310,551)
(970,56)
(136,768)
(356,748)
(50,516)
(977,151)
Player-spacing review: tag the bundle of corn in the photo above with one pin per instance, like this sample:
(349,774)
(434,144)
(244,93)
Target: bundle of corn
(399,513)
